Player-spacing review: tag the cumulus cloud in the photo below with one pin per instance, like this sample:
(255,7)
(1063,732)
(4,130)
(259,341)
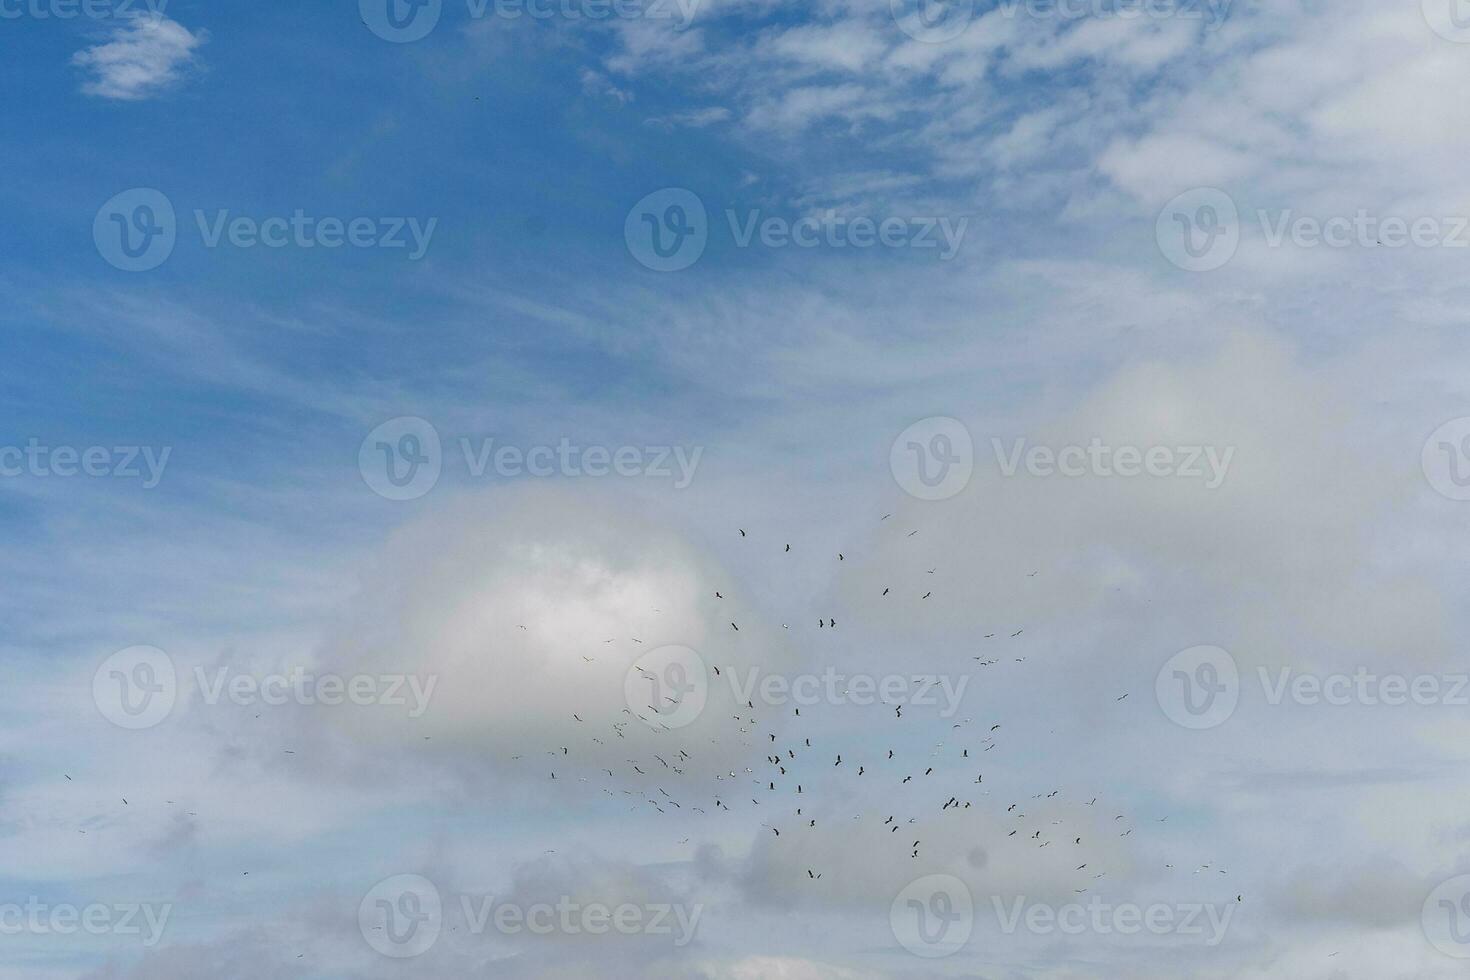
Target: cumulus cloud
(528,612)
(144,56)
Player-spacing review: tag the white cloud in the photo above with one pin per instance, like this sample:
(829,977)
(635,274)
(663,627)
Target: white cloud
(530,609)
(800,107)
(849,46)
(693,118)
(144,57)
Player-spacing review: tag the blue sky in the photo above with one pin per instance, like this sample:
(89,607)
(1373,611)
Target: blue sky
(513,459)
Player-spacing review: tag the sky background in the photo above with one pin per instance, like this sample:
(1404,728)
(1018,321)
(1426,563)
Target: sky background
(1122,190)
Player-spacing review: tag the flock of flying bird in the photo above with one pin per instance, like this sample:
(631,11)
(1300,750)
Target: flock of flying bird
(796,771)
